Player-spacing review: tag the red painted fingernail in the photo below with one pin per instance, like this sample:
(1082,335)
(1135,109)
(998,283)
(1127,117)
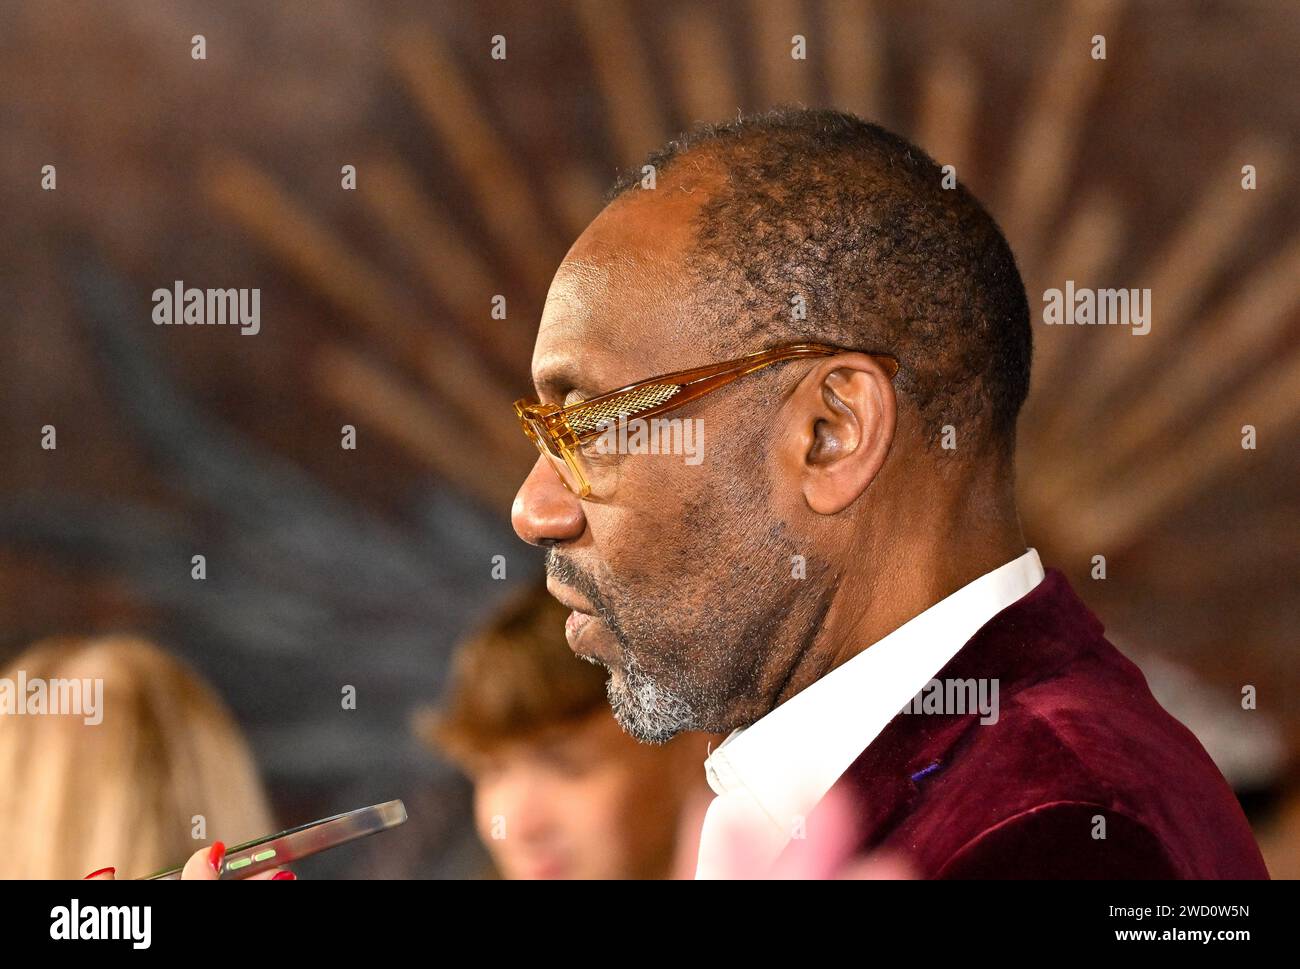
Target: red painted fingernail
(283,876)
(215,854)
(100,872)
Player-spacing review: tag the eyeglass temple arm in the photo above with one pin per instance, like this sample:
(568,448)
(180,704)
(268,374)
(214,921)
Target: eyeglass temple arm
(699,381)
(747,364)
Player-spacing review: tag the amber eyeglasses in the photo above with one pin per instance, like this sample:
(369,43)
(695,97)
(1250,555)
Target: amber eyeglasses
(559,432)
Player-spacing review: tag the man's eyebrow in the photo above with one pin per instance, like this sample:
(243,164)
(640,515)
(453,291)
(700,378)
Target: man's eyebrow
(558,379)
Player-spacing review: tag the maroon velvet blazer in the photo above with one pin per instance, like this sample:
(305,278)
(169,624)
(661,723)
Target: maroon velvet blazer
(1078,736)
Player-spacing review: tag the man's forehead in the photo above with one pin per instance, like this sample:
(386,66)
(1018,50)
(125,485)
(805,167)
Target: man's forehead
(616,303)
(586,328)
(585,285)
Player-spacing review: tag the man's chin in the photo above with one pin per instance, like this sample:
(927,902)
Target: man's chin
(635,729)
(646,713)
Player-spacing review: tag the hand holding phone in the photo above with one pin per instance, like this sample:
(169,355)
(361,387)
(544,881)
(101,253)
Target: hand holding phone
(255,858)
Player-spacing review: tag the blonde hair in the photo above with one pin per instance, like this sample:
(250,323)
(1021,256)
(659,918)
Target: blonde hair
(78,796)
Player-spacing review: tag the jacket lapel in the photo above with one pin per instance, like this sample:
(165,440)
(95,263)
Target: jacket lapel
(1024,642)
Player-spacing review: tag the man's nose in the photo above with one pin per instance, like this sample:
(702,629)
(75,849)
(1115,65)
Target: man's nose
(546,512)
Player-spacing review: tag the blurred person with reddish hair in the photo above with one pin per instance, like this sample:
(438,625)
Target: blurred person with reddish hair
(123,782)
(560,790)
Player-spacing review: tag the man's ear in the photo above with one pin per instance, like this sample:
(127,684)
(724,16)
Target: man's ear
(844,413)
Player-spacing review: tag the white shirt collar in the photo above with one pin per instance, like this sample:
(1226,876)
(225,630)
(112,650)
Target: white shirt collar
(772,773)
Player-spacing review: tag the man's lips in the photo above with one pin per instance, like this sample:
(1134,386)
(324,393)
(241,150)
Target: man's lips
(564,597)
(580,618)
(576,622)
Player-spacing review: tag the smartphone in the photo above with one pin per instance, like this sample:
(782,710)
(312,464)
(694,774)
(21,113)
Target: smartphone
(252,857)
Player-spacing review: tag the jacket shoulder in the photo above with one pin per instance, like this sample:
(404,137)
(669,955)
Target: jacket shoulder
(1066,839)
(1084,775)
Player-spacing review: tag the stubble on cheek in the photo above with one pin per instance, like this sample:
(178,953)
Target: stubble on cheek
(697,592)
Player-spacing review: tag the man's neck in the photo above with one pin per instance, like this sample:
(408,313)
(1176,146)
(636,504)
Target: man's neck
(870,604)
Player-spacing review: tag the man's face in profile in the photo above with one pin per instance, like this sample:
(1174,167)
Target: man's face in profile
(680,575)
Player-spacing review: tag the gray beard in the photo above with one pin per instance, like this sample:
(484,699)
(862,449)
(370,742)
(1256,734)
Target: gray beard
(646,709)
(715,659)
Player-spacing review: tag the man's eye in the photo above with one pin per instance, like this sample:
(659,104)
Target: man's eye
(598,449)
